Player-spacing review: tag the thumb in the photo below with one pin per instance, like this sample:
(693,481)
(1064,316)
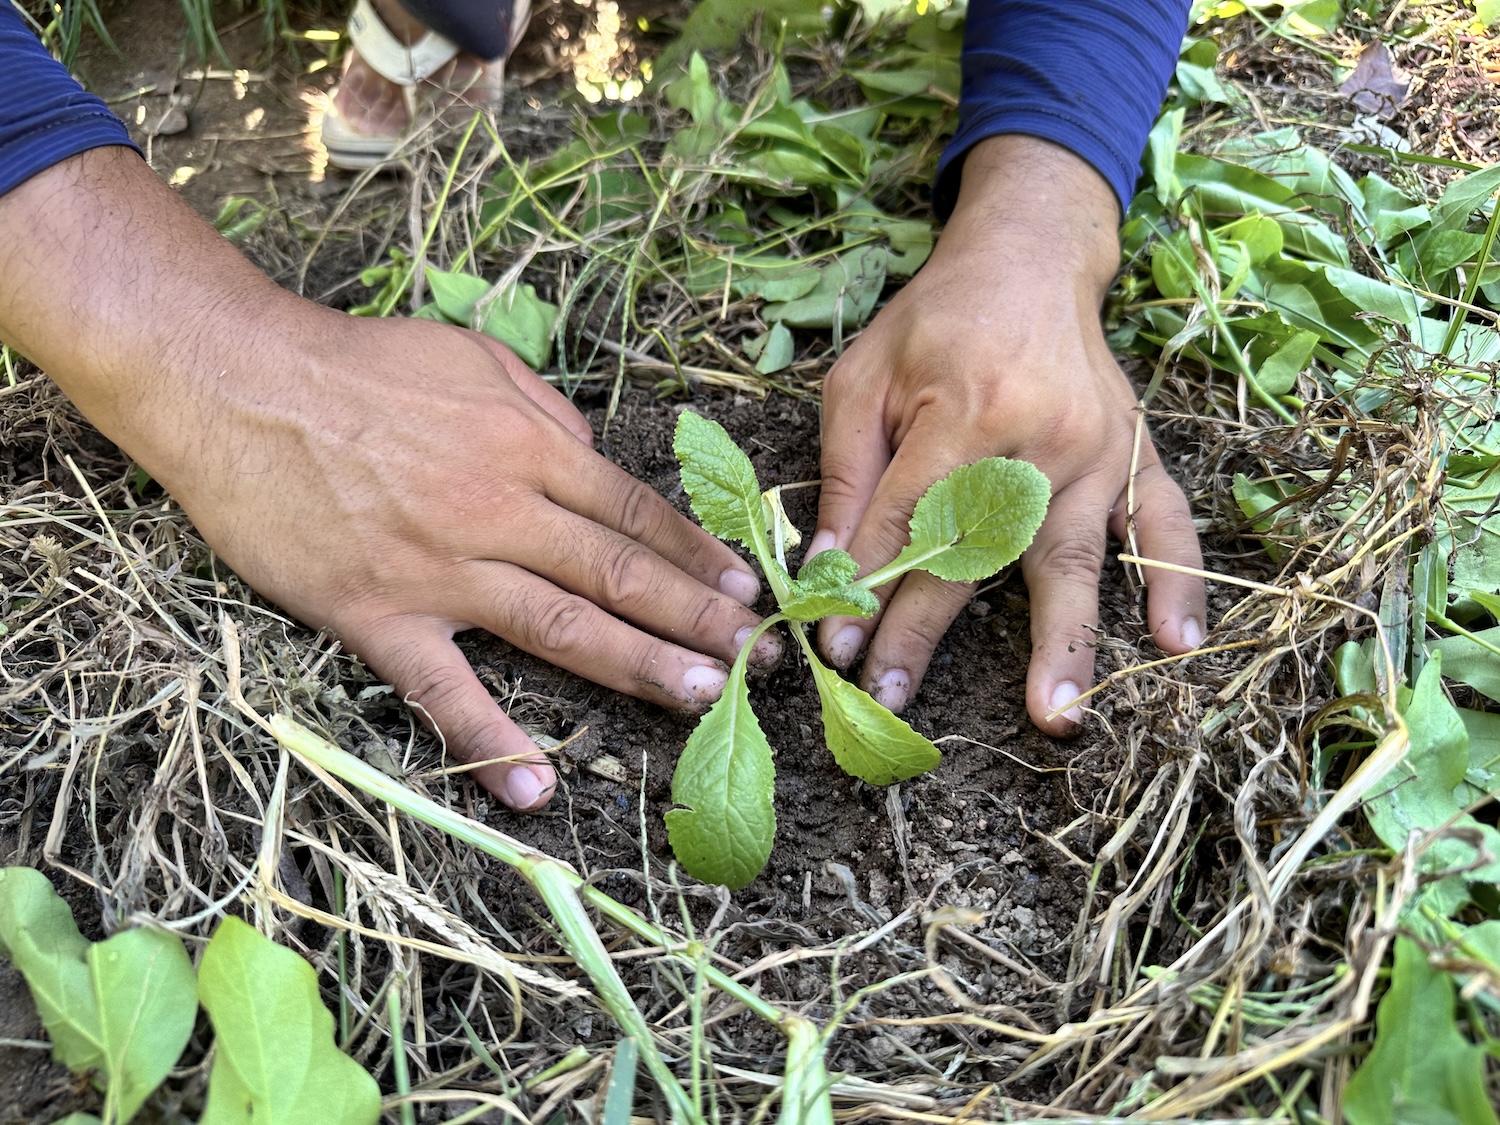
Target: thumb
(428,671)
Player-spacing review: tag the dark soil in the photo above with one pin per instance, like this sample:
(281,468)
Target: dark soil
(968,834)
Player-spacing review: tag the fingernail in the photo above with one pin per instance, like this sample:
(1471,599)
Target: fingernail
(523,788)
(892,689)
(767,650)
(844,645)
(740,585)
(818,544)
(704,682)
(1192,632)
(1063,694)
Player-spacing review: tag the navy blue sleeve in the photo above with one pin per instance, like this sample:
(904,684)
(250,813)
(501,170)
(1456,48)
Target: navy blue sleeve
(1089,75)
(45,116)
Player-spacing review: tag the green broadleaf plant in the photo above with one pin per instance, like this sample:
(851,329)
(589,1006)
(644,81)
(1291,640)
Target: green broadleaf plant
(966,527)
(276,1062)
(121,1009)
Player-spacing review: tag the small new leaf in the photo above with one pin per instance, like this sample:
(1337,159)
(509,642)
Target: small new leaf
(974,521)
(867,740)
(275,1061)
(719,479)
(123,1008)
(725,781)
(822,588)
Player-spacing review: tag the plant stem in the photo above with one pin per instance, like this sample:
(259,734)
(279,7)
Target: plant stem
(398,1052)
(561,889)
(1455,325)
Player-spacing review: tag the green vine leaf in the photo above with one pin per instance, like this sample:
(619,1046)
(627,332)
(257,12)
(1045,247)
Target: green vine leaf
(275,1061)
(867,740)
(974,521)
(122,1008)
(719,479)
(725,781)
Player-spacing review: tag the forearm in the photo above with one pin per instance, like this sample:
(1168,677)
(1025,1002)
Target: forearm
(1088,75)
(145,317)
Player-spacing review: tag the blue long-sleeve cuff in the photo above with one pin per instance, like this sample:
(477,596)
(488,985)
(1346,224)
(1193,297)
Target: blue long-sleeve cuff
(1089,75)
(45,116)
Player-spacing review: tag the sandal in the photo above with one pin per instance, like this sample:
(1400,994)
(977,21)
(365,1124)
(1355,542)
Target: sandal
(424,71)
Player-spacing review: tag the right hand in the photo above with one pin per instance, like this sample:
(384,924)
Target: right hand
(414,480)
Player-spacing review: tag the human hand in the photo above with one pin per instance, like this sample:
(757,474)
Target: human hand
(995,348)
(396,481)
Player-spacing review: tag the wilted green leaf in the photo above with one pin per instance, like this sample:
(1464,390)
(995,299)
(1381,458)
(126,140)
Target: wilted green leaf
(718,478)
(974,521)
(1278,374)
(122,1008)
(847,290)
(1463,197)
(778,351)
(275,1062)
(456,294)
(1422,1068)
(520,320)
(725,782)
(865,738)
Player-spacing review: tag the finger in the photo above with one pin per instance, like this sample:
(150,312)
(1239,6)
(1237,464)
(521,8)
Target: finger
(928,453)
(539,391)
(427,669)
(604,493)
(572,632)
(1061,568)
(632,581)
(916,619)
(1176,604)
(856,451)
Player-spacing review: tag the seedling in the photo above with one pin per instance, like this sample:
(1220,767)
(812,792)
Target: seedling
(967,526)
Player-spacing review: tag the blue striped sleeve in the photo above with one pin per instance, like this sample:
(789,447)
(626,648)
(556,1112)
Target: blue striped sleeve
(45,116)
(1088,75)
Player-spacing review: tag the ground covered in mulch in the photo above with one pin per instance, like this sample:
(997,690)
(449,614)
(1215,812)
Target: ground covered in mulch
(1011,884)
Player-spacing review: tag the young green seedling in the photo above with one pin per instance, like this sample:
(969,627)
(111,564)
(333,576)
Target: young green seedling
(967,526)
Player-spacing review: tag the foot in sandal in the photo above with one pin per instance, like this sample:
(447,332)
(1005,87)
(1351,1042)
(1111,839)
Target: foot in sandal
(399,73)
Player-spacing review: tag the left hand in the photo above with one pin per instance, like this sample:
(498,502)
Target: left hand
(996,348)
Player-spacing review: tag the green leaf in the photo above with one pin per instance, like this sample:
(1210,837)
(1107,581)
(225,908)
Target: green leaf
(1278,374)
(866,739)
(847,290)
(778,351)
(1422,1068)
(725,782)
(123,1008)
(974,521)
(1488,12)
(718,478)
(1463,197)
(520,320)
(1471,663)
(275,1062)
(456,294)
(1391,212)
(822,588)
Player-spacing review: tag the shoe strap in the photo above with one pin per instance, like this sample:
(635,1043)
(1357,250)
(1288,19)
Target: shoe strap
(402,63)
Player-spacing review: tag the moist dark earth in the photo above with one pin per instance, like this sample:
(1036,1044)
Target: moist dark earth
(848,856)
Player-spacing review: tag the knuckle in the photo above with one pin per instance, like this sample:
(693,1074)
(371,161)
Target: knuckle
(557,624)
(1077,557)
(625,575)
(639,514)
